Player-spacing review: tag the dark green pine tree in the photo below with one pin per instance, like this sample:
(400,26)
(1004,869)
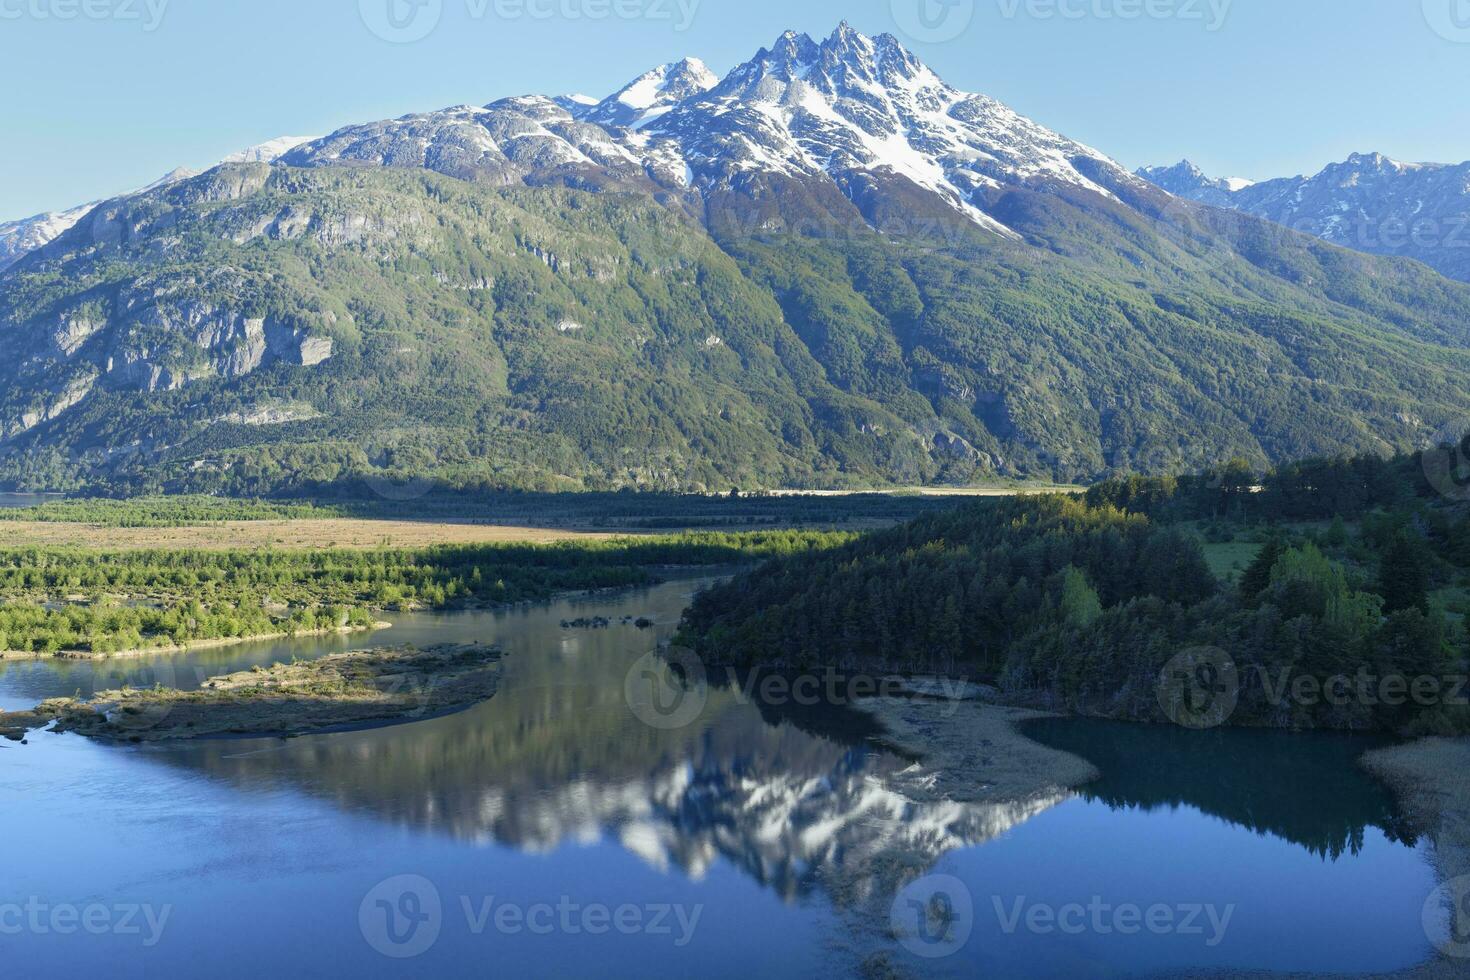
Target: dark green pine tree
(1257,578)
(1403,578)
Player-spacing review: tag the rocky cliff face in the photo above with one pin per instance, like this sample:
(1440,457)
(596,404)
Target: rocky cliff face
(156,332)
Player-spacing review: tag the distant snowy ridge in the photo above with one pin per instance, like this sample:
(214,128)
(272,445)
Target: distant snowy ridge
(1368,202)
(18,238)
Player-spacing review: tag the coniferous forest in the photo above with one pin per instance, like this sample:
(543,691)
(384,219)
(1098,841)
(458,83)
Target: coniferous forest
(1302,577)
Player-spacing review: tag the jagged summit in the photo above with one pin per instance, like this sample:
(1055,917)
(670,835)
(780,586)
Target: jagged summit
(850,115)
(1187,180)
(857,110)
(861,116)
(652,94)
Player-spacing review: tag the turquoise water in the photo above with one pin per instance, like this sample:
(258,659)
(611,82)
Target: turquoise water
(510,839)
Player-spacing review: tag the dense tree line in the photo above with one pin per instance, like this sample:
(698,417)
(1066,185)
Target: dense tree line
(112,627)
(633,510)
(178,511)
(53,599)
(951,592)
(1079,603)
(1307,490)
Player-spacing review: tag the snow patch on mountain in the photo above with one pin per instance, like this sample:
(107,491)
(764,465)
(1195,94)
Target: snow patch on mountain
(1184,179)
(853,104)
(268,152)
(852,110)
(653,94)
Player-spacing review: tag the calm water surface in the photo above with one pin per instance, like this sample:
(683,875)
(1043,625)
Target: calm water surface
(751,842)
(26,499)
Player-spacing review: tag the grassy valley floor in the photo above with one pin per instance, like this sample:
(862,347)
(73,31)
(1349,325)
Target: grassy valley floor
(293,535)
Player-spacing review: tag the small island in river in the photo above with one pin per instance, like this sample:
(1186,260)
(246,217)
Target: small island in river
(343,691)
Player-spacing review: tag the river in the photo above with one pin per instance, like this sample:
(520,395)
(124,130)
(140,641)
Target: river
(554,831)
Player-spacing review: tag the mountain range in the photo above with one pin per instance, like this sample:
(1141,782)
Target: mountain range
(829,268)
(28,234)
(1367,202)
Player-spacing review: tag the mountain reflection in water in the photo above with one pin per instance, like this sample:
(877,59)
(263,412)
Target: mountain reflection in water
(557,758)
(801,801)
(1302,787)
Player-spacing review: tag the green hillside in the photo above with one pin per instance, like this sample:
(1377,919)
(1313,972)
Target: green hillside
(261,328)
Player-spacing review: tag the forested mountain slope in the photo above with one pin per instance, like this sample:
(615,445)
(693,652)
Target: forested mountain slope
(755,285)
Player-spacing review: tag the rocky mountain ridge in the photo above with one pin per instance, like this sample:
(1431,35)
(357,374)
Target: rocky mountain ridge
(1368,202)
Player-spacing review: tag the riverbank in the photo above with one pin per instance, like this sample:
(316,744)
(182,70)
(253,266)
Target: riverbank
(191,646)
(344,691)
(1431,778)
(971,751)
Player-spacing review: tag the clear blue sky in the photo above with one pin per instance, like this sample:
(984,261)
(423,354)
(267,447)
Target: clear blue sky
(98,104)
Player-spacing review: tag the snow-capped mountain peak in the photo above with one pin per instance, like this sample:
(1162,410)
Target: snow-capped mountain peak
(653,93)
(577,104)
(856,115)
(854,107)
(850,115)
(17,238)
(1184,179)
